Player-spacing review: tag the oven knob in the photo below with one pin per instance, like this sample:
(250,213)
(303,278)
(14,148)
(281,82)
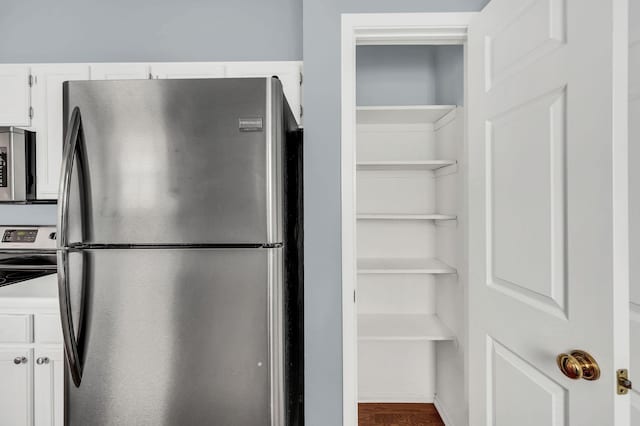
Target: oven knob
(52,236)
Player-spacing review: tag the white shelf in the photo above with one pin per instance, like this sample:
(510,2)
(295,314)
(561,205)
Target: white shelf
(403,266)
(404,165)
(402,327)
(406,217)
(402,114)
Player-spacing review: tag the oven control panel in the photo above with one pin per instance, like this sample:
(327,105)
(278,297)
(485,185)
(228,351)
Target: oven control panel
(19,236)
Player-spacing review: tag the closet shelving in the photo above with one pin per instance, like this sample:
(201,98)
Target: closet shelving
(404,165)
(402,327)
(407,220)
(402,114)
(403,266)
(383,216)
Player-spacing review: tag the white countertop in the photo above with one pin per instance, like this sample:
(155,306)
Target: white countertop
(41,292)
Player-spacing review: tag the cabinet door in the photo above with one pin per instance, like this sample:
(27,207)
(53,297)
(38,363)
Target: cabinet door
(49,387)
(289,73)
(123,71)
(15,98)
(16,389)
(188,70)
(47,121)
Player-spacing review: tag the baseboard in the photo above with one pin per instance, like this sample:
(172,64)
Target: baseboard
(395,398)
(446,418)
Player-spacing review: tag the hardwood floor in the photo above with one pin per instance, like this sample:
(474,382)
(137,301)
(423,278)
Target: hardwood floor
(398,415)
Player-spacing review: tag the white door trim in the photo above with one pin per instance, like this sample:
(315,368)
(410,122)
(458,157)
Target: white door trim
(372,29)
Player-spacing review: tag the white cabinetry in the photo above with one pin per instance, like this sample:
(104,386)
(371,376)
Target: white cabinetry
(16,388)
(48,122)
(119,71)
(32,386)
(48,387)
(31,355)
(15,95)
(188,70)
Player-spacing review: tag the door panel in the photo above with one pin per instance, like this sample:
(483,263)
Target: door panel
(16,95)
(16,391)
(543,232)
(163,153)
(175,337)
(48,121)
(634,201)
(48,387)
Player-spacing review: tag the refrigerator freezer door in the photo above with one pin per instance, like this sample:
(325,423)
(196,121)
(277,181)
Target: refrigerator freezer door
(178,337)
(178,161)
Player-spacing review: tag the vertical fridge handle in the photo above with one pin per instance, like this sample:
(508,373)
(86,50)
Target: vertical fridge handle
(68,332)
(74,133)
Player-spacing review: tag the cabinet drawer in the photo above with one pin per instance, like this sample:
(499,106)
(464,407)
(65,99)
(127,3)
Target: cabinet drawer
(48,328)
(16,328)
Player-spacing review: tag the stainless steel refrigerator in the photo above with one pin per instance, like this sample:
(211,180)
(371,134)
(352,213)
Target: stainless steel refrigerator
(180,253)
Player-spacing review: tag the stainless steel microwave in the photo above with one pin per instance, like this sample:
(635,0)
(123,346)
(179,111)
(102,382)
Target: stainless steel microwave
(17,165)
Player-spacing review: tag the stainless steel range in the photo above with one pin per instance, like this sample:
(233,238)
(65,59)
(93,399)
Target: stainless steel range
(26,252)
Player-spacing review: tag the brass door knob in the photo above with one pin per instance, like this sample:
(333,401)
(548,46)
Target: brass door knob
(578,364)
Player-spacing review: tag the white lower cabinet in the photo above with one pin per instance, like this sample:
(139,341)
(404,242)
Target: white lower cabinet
(32,376)
(48,387)
(16,388)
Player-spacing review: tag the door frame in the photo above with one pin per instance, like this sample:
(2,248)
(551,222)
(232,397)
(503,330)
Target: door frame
(373,29)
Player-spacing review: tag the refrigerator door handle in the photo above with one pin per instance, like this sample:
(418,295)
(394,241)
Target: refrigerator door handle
(71,144)
(74,133)
(66,315)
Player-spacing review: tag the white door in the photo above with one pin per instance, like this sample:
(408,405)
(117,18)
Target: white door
(187,70)
(548,211)
(119,71)
(49,387)
(15,95)
(16,391)
(47,121)
(634,202)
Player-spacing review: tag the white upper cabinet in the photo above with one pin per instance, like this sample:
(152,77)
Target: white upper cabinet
(119,71)
(48,121)
(187,70)
(15,98)
(289,73)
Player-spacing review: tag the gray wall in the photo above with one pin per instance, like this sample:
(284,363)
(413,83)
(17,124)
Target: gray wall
(395,75)
(449,62)
(27,215)
(321,47)
(409,75)
(150,30)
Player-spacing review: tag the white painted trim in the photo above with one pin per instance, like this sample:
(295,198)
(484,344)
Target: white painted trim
(397,398)
(444,414)
(372,28)
(620,159)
